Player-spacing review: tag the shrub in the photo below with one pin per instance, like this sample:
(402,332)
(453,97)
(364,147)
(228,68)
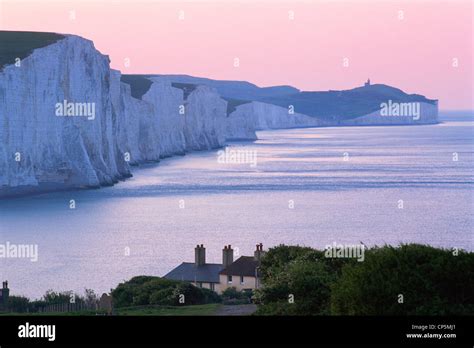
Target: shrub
(144,290)
(19,304)
(297,280)
(303,288)
(211,296)
(232,296)
(164,297)
(138,291)
(432,282)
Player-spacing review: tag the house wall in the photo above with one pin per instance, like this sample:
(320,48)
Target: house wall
(206,285)
(249,283)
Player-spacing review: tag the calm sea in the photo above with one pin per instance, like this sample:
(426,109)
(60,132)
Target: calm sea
(311,187)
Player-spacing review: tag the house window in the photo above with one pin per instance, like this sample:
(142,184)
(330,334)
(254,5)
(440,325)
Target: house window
(229,279)
(200,284)
(213,286)
(241,279)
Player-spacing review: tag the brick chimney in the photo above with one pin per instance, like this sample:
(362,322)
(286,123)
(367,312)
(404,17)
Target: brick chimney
(227,255)
(200,255)
(258,252)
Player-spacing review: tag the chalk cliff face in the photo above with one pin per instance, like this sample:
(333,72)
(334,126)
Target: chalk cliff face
(187,123)
(40,148)
(133,124)
(330,107)
(205,117)
(166,102)
(127,122)
(249,117)
(240,124)
(428,114)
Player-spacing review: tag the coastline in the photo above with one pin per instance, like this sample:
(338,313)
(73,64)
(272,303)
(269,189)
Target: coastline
(45,188)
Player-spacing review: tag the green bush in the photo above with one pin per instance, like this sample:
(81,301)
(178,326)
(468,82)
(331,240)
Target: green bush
(302,287)
(432,282)
(188,294)
(21,304)
(211,296)
(164,297)
(144,290)
(138,290)
(18,304)
(276,260)
(232,296)
(297,280)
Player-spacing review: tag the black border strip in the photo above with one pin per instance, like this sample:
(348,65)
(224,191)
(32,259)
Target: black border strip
(115,330)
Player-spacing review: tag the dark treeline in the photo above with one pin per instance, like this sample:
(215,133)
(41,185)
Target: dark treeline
(410,279)
(22,304)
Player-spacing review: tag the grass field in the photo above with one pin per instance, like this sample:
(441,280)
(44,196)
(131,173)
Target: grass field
(207,309)
(67,314)
(17,44)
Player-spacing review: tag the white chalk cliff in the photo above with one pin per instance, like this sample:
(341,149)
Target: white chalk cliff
(260,116)
(39,147)
(41,151)
(428,114)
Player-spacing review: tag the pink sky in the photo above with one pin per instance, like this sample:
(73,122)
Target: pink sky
(415,53)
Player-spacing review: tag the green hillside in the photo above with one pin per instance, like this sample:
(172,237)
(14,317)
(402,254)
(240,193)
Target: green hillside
(20,44)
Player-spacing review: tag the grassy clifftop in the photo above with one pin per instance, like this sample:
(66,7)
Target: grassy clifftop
(335,105)
(345,104)
(139,84)
(20,44)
